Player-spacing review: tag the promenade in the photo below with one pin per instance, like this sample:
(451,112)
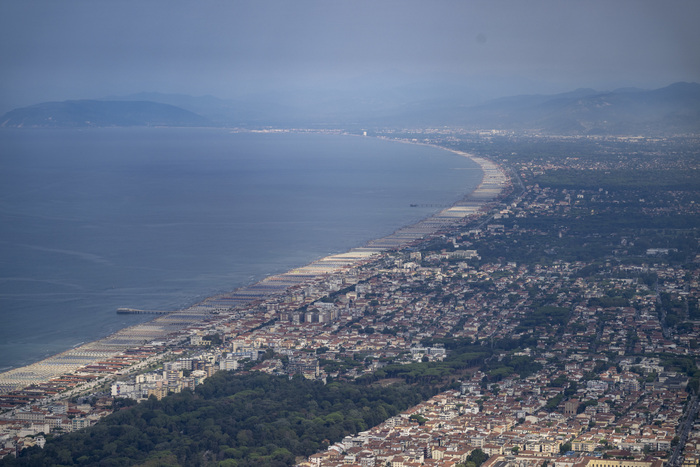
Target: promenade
(162,328)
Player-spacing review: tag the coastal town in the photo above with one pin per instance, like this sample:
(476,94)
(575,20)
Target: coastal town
(575,290)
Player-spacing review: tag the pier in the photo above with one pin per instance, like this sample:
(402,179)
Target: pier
(133,311)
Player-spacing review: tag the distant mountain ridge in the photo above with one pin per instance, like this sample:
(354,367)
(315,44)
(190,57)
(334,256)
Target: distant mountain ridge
(675,108)
(95,113)
(672,109)
(669,110)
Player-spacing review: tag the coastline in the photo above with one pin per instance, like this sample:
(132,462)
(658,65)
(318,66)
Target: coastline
(150,336)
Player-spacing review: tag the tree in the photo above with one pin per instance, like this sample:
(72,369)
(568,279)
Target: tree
(250,419)
(418,418)
(477,457)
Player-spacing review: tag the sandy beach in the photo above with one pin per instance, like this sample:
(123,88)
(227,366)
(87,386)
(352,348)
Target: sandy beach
(155,332)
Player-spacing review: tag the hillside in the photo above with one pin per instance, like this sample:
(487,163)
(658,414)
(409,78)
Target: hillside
(93,113)
(674,109)
(669,110)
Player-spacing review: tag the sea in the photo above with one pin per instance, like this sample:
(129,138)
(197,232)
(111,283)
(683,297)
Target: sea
(92,220)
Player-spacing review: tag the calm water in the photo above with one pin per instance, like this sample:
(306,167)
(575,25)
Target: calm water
(93,220)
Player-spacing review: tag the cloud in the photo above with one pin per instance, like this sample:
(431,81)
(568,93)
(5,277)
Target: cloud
(77,46)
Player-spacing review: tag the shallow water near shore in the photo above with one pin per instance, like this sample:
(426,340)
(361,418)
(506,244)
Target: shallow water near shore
(160,218)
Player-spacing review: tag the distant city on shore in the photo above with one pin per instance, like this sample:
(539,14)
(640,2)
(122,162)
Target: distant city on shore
(665,111)
(549,316)
(350,233)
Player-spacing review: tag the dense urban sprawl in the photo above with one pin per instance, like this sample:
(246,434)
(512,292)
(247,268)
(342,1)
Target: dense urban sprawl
(571,301)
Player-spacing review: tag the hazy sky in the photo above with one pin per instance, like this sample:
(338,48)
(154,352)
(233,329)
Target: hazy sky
(56,50)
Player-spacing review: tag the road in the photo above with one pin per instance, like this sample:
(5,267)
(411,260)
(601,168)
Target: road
(691,414)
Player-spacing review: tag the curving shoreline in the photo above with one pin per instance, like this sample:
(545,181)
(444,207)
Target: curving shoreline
(149,337)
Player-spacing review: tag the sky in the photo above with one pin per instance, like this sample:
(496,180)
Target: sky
(72,49)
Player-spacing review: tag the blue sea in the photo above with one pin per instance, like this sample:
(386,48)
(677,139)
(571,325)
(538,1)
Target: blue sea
(161,218)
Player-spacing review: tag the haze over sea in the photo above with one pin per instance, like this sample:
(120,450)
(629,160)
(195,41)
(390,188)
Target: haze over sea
(161,218)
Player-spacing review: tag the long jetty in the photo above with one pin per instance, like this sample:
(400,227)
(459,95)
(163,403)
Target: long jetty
(134,311)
